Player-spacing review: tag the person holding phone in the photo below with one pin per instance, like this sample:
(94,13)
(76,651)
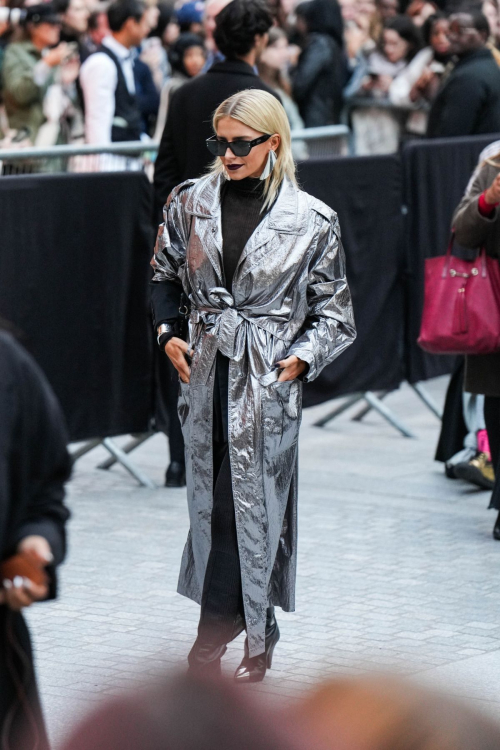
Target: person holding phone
(34,464)
(29,68)
(263,268)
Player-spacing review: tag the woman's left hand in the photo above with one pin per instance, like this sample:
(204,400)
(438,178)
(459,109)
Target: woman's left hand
(292,368)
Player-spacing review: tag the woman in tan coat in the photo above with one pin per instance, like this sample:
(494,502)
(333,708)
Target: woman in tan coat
(477,223)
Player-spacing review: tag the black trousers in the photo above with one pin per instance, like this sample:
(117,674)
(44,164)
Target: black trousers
(492,419)
(453,427)
(222,598)
(21,718)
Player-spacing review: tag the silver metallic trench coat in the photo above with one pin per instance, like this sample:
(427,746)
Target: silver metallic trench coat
(290,296)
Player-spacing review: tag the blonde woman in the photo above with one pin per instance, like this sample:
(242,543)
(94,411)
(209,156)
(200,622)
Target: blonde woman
(263,268)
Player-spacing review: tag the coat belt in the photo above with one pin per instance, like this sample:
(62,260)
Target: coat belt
(221,322)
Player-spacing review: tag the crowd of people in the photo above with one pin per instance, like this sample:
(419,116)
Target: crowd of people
(75,71)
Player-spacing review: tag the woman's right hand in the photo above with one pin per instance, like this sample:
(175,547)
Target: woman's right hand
(176,349)
(492,194)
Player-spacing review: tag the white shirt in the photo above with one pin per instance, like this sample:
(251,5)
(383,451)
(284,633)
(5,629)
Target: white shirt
(98,79)
(401,86)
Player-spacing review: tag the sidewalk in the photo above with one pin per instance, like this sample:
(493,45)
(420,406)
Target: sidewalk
(397,570)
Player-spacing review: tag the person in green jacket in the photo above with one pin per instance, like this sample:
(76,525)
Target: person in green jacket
(28,69)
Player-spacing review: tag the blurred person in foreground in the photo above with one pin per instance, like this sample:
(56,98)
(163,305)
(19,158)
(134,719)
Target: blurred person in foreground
(112,110)
(319,75)
(183,713)
(477,224)
(241,35)
(34,464)
(388,713)
(468,102)
(30,67)
(263,267)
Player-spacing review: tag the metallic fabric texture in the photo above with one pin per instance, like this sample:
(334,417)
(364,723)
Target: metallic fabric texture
(290,296)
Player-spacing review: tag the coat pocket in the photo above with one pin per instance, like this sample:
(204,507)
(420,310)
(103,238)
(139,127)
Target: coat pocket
(282,414)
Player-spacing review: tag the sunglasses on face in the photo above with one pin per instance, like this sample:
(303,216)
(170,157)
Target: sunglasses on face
(239,148)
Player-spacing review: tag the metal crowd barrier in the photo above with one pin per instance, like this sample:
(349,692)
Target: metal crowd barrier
(322,142)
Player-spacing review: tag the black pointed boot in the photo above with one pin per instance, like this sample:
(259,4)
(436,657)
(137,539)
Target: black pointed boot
(208,650)
(254,669)
(205,657)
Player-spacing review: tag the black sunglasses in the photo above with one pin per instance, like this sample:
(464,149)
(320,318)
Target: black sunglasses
(239,148)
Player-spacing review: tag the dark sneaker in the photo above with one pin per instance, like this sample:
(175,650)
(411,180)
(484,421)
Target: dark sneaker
(461,457)
(176,475)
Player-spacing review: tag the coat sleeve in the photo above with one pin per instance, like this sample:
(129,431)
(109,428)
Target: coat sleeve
(471,227)
(168,172)
(41,442)
(311,63)
(19,77)
(329,327)
(464,100)
(169,258)
(401,86)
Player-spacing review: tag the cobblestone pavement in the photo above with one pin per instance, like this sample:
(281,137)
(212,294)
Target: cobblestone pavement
(397,570)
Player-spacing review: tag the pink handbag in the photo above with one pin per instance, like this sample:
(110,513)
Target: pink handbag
(461,305)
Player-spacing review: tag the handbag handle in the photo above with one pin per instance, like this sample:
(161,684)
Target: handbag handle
(446,266)
(482,257)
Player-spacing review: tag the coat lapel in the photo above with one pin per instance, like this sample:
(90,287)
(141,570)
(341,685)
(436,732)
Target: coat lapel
(204,203)
(288,215)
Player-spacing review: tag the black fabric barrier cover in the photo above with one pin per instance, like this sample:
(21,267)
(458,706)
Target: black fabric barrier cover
(366,194)
(74,273)
(436,174)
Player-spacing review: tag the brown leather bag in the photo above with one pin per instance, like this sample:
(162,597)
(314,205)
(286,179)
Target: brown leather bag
(26,565)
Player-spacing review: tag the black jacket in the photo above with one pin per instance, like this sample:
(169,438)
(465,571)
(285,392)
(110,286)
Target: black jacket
(469,101)
(146,93)
(183,153)
(318,80)
(34,464)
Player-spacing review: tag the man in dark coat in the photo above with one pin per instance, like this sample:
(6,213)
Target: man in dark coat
(469,100)
(34,464)
(240,34)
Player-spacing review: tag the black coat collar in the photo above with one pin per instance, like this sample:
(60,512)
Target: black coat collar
(232,66)
(483,53)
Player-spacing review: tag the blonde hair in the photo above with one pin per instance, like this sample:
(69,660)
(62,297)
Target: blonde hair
(264,113)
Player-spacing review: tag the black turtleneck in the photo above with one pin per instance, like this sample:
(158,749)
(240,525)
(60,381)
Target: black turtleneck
(241,213)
